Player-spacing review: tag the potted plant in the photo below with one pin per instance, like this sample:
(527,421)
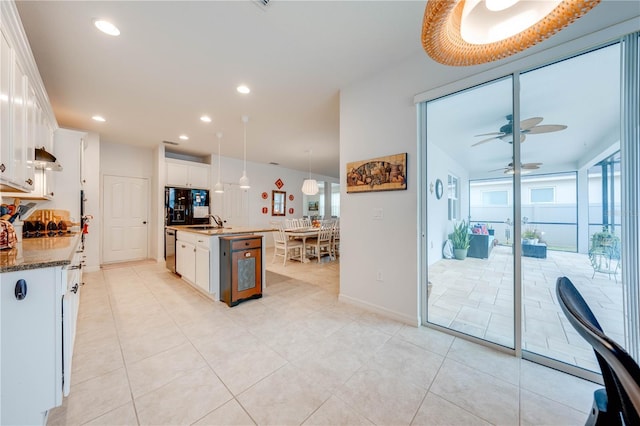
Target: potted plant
(530,236)
(461,239)
(604,240)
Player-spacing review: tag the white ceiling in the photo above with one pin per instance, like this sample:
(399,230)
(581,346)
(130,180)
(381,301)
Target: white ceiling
(177,60)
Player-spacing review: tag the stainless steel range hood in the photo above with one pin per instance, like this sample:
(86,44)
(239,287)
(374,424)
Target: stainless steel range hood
(44,160)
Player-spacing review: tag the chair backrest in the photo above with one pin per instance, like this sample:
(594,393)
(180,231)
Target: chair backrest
(620,373)
(278,235)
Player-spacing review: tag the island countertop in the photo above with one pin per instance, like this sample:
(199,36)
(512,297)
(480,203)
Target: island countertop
(233,230)
(33,253)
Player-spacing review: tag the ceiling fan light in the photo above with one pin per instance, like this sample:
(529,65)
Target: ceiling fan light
(310,187)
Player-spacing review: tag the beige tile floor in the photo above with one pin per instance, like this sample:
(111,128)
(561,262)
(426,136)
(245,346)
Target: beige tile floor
(475,296)
(152,350)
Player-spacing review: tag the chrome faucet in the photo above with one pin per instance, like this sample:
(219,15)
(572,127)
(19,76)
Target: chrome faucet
(217,220)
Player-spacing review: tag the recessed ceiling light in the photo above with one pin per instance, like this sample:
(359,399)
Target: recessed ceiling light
(243,89)
(184,137)
(106,27)
(205,118)
(99,118)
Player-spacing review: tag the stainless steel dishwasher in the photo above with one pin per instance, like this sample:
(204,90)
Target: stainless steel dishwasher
(170,249)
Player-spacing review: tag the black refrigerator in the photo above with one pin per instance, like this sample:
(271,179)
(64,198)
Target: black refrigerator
(186,206)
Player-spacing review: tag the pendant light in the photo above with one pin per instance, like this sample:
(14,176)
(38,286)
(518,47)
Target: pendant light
(310,186)
(244,180)
(218,189)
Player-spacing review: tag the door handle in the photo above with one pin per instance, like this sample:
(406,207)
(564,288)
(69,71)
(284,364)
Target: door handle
(144,222)
(21,289)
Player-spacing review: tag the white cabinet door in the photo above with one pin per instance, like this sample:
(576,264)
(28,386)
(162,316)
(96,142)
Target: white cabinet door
(202,268)
(5,115)
(31,342)
(19,109)
(199,176)
(177,174)
(186,260)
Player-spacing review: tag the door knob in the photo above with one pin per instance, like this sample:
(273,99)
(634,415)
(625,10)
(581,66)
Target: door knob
(144,222)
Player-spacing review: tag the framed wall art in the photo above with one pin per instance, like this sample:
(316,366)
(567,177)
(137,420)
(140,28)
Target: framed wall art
(378,174)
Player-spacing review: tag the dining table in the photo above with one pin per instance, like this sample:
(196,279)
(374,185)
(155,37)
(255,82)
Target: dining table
(303,234)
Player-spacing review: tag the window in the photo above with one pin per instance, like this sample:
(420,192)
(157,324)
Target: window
(542,195)
(495,198)
(454,197)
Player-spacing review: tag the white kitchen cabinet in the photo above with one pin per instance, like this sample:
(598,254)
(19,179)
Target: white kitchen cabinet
(186,260)
(31,345)
(187,174)
(24,105)
(203,259)
(194,260)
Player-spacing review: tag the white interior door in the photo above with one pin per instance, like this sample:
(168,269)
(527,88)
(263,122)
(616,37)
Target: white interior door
(232,206)
(125,201)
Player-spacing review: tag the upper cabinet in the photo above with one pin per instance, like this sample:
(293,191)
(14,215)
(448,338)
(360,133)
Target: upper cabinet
(26,117)
(187,174)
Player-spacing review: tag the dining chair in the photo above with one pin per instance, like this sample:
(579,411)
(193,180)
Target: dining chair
(321,245)
(335,239)
(619,402)
(284,246)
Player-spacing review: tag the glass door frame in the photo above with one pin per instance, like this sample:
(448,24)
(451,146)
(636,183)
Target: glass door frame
(421,115)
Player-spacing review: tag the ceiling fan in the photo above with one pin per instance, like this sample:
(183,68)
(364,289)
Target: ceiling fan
(529,126)
(524,166)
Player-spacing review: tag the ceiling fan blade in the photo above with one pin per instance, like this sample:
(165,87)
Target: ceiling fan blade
(546,128)
(531,166)
(499,170)
(530,122)
(485,140)
(492,134)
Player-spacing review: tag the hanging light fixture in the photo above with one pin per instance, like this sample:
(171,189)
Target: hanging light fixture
(244,180)
(471,32)
(310,186)
(218,189)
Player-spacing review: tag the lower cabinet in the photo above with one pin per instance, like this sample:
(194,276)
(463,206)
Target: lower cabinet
(240,268)
(186,260)
(193,259)
(31,342)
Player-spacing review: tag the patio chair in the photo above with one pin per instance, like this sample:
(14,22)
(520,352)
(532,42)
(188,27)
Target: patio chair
(619,402)
(606,260)
(321,245)
(284,246)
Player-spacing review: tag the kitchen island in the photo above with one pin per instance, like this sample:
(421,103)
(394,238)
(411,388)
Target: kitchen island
(198,254)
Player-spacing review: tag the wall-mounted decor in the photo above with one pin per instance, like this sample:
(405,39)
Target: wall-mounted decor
(278,203)
(313,206)
(378,174)
(291,210)
(291,197)
(265,210)
(265,195)
(439,189)
(279,183)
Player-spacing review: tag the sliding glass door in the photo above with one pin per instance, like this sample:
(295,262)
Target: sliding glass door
(466,141)
(535,186)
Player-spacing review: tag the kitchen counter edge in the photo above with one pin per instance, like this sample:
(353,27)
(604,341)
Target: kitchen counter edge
(220,231)
(33,257)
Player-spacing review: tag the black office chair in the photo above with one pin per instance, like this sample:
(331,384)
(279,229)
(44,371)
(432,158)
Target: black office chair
(619,402)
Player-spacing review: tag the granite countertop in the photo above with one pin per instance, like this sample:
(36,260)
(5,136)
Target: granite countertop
(34,253)
(234,230)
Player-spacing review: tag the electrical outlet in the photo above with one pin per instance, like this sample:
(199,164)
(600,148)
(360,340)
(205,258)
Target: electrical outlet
(379,276)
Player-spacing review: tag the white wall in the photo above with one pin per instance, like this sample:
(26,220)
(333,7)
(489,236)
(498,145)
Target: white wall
(92,189)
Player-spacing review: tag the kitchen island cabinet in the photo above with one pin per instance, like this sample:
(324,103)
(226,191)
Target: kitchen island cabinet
(198,255)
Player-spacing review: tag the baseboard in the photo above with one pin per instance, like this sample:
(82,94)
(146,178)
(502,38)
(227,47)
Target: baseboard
(405,319)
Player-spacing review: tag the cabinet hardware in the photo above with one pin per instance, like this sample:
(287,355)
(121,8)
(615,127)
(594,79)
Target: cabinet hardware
(21,289)
(247,254)
(29,181)
(51,193)
(144,222)
(72,267)
(2,168)
(74,289)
